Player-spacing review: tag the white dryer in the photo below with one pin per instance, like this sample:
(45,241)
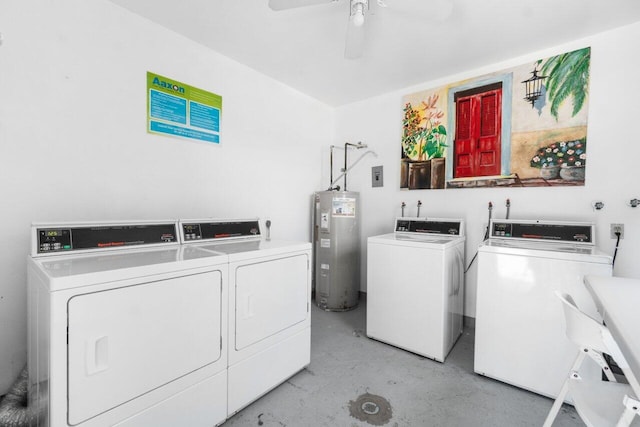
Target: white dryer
(520,335)
(415,285)
(269,304)
(125,327)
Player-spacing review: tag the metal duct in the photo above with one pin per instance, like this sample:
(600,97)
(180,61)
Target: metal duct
(13,408)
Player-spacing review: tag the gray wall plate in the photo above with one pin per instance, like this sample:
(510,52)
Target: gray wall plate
(376,176)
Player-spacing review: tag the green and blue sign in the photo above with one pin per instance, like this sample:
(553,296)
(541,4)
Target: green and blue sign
(177,109)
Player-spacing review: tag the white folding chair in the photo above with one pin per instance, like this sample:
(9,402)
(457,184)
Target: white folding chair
(599,403)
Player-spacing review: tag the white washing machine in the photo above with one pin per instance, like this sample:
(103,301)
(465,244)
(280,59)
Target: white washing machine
(269,304)
(415,285)
(520,328)
(126,328)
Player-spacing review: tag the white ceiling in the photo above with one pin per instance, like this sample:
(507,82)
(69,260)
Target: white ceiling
(407,42)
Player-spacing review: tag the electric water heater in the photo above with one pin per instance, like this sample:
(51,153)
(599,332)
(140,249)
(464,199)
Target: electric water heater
(336,244)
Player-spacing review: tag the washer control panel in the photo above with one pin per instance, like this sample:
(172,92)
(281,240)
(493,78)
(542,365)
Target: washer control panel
(52,239)
(193,231)
(452,227)
(582,233)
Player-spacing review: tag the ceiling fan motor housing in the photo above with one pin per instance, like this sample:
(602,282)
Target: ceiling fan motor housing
(357,11)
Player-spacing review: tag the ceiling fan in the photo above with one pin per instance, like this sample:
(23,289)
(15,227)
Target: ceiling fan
(354,45)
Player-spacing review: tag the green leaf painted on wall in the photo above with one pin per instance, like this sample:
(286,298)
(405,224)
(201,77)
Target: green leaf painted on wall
(567,77)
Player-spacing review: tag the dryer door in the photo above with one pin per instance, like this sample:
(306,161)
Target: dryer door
(270,296)
(127,341)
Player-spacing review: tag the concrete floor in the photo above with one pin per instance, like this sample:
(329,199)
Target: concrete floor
(345,364)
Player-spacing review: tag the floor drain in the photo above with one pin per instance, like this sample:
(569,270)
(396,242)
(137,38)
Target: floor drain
(372,409)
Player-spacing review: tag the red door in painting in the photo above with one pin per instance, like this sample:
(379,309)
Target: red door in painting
(478,128)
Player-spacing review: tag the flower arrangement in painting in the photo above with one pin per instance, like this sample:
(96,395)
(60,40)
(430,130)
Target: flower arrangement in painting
(423,134)
(563,153)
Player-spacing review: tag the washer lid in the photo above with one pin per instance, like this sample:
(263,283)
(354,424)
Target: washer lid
(417,240)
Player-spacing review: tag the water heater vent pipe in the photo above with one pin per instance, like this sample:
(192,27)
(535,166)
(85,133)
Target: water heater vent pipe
(351,167)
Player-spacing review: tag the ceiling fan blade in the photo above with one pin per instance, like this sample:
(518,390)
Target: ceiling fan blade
(355,41)
(290,4)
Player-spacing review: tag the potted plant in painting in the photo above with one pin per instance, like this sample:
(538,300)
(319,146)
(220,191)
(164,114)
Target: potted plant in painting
(424,142)
(574,159)
(546,160)
(410,126)
(566,159)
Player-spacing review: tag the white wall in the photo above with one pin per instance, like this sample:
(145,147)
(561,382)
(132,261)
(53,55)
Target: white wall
(73,144)
(613,171)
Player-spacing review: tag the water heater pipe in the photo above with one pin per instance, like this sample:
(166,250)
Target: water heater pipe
(351,167)
(358,146)
(331,168)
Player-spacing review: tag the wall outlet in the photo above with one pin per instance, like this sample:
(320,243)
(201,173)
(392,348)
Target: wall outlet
(617,228)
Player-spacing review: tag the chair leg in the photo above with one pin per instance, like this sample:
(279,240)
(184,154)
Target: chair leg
(551,417)
(631,409)
(548,422)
